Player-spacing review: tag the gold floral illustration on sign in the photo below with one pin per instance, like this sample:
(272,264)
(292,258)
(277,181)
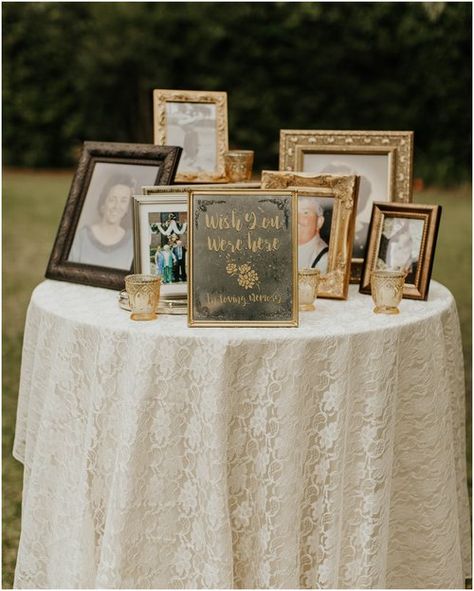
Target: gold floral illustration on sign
(246,275)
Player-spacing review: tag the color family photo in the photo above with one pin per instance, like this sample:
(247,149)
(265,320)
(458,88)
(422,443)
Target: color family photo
(168,245)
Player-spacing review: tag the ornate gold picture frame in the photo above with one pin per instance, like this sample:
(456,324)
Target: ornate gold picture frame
(242,266)
(196,121)
(402,237)
(333,197)
(382,159)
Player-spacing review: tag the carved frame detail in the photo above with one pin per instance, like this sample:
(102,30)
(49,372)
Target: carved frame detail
(167,157)
(397,145)
(161,97)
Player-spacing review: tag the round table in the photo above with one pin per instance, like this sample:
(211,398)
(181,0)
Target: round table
(156,455)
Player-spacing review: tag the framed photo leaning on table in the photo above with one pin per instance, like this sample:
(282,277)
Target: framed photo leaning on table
(161,239)
(402,237)
(326,211)
(382,159)
(197,121)
(94,243)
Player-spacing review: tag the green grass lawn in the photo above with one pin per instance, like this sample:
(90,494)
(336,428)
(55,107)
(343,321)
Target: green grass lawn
(32,206)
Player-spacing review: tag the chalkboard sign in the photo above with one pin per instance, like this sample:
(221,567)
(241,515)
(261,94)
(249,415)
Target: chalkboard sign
(243,263)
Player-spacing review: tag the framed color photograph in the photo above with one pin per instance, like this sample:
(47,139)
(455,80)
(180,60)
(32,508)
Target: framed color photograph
(382,159)
(161,240)
(94,243)
(243,258)
(326,214)
(196,121)
(402,237)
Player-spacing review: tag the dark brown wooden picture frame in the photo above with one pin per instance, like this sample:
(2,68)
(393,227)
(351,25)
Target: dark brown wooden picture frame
(59,267)
(417,282)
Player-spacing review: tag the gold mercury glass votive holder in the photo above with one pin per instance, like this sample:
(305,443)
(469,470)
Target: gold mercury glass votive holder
(387,290)
(238,165)
(144,295)
(308,281)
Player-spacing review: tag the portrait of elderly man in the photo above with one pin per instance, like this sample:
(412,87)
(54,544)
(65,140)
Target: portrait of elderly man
(312,249)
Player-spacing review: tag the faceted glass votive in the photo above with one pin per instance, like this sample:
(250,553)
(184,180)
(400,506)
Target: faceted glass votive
(144,295)
(308,281)
(387,290)
(238,165)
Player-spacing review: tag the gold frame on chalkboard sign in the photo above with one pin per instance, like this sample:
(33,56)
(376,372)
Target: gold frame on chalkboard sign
(294,320)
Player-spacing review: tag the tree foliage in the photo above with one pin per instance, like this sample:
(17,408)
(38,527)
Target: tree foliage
(86,71)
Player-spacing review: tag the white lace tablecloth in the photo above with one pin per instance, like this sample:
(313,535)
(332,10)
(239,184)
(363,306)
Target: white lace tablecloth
(326,456)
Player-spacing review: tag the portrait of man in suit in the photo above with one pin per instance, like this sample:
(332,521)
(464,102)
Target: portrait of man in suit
(312,249)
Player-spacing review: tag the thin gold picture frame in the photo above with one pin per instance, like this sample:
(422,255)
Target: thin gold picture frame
(294,320)
(430,215)
(160,99)
(179,188)
(344,190)
(396,145)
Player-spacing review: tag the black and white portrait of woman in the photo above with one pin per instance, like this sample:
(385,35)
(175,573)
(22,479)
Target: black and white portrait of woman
(104,235)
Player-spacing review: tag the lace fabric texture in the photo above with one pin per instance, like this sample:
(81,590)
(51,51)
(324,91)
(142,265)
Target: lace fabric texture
(160,456)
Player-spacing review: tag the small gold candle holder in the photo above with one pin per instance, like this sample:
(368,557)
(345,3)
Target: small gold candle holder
(238,165)
(144,295)
(387,290)
(308,281)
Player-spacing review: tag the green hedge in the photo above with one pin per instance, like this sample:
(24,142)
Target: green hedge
(77,71)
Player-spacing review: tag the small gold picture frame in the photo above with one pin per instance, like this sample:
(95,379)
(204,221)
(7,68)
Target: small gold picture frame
(326,213)
(402,237)
(382,159)
(195,120)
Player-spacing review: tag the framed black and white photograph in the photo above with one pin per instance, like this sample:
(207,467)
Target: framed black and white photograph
(161,240)
(402,237)
(196,121)
(94,244)
(382,159)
